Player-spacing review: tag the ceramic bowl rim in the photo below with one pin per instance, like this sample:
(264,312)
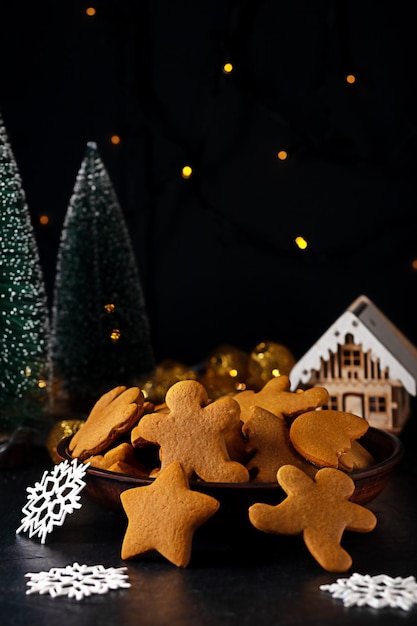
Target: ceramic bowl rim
(393,459)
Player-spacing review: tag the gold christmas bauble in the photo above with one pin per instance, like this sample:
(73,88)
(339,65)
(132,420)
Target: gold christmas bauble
(60,430)
(166,374)
(268,360)
(226,371)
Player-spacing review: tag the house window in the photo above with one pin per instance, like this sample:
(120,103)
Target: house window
(333,403)
(351,361)
(377,404)
(351,356)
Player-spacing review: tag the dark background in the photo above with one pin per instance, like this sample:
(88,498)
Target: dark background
(216,253)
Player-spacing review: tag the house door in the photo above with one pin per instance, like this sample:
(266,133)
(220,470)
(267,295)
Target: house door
(354,403)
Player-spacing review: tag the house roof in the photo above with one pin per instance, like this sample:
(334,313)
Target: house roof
(376,333)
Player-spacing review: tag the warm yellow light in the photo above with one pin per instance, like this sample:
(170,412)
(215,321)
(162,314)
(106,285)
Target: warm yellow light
(90,11)
(44,219)
(301,243)
(41,384)
(275,372)
(350,78)
(28,371)
(115,139)
(282,155)
(109,308)
(227,68)
(115,335)
(186,171)
(233,373)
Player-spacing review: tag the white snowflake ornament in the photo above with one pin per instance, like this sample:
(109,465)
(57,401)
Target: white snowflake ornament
(77,581)
(53,498)
(375,591)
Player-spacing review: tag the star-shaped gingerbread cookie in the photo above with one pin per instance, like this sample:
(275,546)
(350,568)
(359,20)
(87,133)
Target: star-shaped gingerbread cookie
(164,515)
(194,432)
(320,509)
(276,397)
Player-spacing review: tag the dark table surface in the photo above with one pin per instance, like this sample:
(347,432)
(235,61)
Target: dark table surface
(235,580)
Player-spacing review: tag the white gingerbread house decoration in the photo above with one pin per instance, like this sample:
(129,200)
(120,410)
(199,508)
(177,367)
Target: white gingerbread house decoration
(367,365)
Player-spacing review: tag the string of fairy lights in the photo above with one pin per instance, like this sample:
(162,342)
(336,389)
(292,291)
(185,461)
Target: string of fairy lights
(187,171)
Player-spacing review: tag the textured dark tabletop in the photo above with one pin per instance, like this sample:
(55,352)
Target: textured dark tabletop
(235,580)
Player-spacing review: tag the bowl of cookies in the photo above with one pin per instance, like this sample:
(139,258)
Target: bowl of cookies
(246,465)
(231,448)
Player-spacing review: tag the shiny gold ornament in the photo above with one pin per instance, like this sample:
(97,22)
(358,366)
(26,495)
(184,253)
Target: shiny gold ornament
(268,360)
(59,431)
(166,374)
(226,371)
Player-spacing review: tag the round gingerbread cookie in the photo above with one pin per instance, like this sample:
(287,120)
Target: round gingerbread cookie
(324,435)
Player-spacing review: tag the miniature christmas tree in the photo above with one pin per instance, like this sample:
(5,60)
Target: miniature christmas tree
(23,311)
(100,329)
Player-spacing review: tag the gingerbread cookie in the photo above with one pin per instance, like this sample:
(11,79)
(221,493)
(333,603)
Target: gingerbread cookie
(357,458)
(131,469)
(163,516)
(269,441)
(120,459)
(114,413)
(318,508)
(122,452)
(323,436)
(194,432)
(276,397)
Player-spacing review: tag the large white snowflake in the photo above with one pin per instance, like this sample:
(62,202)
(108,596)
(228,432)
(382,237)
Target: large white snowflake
(375,591)
(53,498)
(77,581)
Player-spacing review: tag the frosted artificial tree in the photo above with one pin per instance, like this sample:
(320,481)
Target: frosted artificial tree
(100,327)
(24,321)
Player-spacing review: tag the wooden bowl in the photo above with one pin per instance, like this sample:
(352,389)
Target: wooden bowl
(104,487)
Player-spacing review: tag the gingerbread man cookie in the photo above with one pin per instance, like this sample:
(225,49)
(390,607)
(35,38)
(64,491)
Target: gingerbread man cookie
(194,432)
(163,516)
(114,413)
(318,508)
(269,441)
(276,397)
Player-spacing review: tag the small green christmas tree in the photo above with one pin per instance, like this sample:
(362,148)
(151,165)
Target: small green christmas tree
(24,322)
(100,329)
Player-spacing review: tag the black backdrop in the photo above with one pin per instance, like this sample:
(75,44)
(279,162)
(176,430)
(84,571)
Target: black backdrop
(216,252)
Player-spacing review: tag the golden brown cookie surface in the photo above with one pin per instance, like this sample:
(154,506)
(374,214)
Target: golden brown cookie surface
(194,432)
(268,437)
(119,459)
(357,458)
(114,413)
(323,436)
(130,468)
(163,516)
(276,397)
(317,508)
